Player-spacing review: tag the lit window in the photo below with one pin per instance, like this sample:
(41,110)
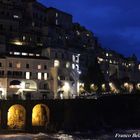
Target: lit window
(73,58)
(27,75)
(100,59)
(56,63)
(56,14)
(16,53)
(73,66)
(39,76)
(107,54)
(45,76)
(33,24)
(23,37)
(18,65)
(37,54)
(56,22)
(78,33)
(16,16)
(67,65)
(110,62)
(18,43)
(31,54)
(24,54)
(139,67)
(39,67)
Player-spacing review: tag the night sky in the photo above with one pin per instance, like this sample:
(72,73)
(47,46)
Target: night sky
(116,23)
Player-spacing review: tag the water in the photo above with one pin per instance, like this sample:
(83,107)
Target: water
(102,135)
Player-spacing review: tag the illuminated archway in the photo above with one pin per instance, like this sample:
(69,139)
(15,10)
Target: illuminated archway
(40,115)
(16,117)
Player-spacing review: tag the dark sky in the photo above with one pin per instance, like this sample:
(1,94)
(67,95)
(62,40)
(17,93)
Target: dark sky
(115,22)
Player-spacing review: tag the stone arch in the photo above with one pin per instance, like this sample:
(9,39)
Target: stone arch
(40,115)
(16,117)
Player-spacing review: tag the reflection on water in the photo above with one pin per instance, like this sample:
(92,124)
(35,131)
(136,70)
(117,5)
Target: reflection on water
(102,135)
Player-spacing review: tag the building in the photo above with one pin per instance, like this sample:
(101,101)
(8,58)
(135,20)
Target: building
(43,53)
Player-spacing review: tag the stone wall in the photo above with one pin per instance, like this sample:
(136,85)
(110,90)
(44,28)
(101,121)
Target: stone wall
(120,111)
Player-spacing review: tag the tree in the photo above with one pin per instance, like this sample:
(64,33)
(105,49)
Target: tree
(93,75)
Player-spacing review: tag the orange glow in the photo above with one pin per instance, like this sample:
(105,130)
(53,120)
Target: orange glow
(40,115)
(16,117)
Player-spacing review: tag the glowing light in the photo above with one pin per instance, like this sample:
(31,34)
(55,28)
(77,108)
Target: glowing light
(40,115)
(56,63)
(39,67)
(39,76)
(67,65)
(113,88)
(100,59)
(16,117)
(45,76)
(22,85)
(73,66)
(18,43)
(18,65)
(66,87)
(27,75)
(107,54)
(139,67)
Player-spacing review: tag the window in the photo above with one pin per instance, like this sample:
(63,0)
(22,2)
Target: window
(39,67)
(73,58)
(27,66)
(56,14)
(45,76)
(0,64)
(45,67)
(56,22)
(73,66)
(67,65)
(1,73)
(37,54)
(56,55)
(23,38)
(107,54)
(16,53)
(10,65)
(77,59)
(77,66)
(56,63)
(18,65)
(27,75)
(39,76)
(31,54)
(62,55)
(16,16)
(24,54)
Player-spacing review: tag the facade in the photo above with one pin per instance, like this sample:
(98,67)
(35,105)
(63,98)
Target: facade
(46,76)
(116,66)
(28,64)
